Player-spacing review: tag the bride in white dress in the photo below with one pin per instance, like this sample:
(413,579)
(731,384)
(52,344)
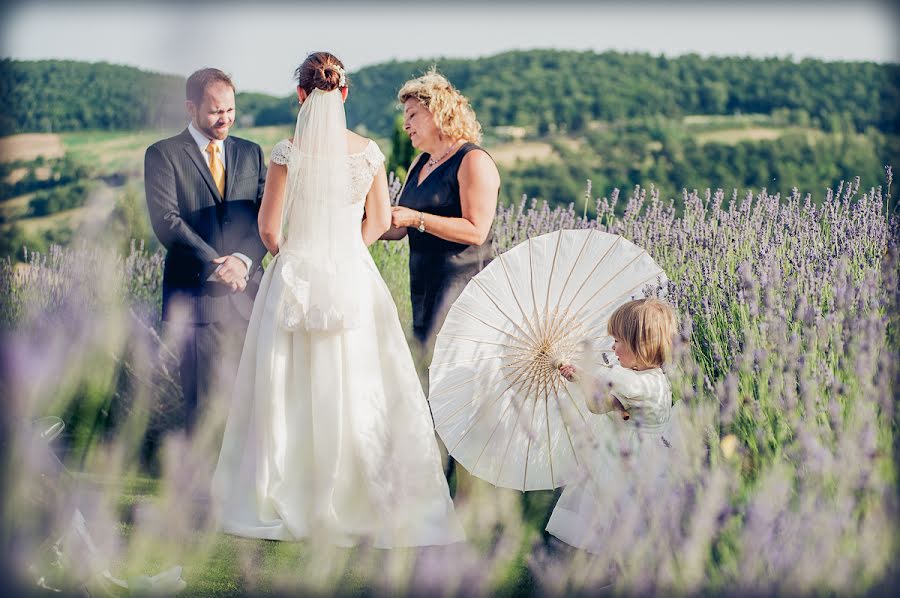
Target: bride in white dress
(329,434)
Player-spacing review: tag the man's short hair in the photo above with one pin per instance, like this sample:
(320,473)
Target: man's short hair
(200,80)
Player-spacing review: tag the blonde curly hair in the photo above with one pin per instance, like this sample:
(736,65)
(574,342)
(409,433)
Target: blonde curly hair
(452,113)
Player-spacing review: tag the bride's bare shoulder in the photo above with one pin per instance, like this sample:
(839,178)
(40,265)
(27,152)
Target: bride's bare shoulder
(356,143)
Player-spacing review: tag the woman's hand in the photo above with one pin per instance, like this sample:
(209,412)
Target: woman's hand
(402,217)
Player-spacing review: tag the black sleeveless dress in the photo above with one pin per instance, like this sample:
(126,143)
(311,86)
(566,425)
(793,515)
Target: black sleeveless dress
(438,270)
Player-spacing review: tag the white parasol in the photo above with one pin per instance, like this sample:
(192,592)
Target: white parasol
(499,403)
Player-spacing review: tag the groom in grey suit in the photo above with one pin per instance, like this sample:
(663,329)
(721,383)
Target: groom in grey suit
(204,190)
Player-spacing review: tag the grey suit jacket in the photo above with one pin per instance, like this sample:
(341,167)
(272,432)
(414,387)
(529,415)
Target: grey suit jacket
(196,224)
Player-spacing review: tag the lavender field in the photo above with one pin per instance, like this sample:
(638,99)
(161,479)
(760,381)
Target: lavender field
(786,365)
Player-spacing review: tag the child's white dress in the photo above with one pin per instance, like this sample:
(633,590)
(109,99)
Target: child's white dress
(638,445)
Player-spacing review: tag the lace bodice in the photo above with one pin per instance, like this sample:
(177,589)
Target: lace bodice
(362,166)
(321,249)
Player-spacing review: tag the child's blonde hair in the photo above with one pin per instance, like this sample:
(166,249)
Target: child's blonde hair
(647,327)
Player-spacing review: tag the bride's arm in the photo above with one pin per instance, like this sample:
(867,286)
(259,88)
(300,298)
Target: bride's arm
(378,209)
(269,219)
(395,233)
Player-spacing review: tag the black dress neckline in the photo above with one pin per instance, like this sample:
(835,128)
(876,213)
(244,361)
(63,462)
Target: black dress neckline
(421,165)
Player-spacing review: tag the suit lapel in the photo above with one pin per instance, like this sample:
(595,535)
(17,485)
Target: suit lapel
(190,147)
(232,155)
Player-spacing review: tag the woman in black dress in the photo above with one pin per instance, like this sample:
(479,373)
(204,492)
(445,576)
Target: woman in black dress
(448,203)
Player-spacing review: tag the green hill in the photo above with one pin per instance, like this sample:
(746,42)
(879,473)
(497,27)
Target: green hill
(549,90)
(63,95)
(54,96)
(554,119)
(542,90)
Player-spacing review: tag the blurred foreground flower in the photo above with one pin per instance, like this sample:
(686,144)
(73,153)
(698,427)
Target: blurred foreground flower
(729,444)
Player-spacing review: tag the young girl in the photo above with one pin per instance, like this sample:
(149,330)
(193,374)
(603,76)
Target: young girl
(636,398)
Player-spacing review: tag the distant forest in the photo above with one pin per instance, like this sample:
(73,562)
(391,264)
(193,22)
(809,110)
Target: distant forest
(52,96)
(664,153)
(615,119)
(544,90)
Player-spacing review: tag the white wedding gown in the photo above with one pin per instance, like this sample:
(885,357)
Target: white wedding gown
(329,434)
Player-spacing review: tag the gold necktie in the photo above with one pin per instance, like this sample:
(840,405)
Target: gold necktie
(215,167)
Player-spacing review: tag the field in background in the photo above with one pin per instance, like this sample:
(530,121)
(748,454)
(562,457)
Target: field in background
(120,154)
(29,146)
(116,158)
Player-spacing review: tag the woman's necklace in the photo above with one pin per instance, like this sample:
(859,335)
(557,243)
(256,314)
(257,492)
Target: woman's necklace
(432,162)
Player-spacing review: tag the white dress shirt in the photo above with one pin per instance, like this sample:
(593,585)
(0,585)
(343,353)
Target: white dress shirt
(202,142)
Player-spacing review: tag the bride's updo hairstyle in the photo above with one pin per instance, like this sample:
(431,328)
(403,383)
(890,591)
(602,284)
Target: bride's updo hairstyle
(452,112)
(321,70)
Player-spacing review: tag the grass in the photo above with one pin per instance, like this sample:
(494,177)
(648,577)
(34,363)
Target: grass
(266,137)
(738,134)
(223,565)
(112,151)
(725,120)
(98,207)
(29,146)
(17,207)
(506,154)
(734,128)
(117,151)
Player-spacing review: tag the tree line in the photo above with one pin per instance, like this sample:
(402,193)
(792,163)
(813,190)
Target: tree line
(657,151)
(63,95)
(557,89)
(546,90)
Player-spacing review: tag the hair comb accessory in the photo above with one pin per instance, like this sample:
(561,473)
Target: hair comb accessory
(343,75)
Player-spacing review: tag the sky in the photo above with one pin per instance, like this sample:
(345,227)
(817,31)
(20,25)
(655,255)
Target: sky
(261,44)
